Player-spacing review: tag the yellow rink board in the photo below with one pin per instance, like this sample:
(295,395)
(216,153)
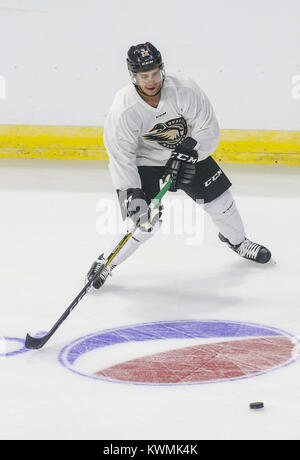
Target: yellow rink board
(86,143)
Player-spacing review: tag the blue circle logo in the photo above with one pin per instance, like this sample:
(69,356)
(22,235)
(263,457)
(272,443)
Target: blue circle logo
(180,352)
(11,346)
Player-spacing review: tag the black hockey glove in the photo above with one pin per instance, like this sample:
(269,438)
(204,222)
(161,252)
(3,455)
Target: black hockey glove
(182,164)
(134,205)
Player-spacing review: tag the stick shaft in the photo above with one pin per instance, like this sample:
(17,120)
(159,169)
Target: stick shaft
(38,342)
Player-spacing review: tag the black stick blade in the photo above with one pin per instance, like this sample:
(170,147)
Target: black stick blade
(33,343)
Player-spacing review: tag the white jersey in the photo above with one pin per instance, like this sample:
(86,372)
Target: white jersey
(137,134)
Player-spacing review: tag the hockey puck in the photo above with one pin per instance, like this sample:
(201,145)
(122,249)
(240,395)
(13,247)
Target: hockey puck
(256,405)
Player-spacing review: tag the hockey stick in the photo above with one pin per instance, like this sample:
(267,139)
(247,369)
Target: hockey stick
(38,342)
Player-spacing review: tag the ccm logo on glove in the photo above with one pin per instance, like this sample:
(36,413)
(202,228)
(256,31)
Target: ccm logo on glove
(184,157)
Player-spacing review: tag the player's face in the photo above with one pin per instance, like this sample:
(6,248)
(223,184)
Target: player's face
(150,81)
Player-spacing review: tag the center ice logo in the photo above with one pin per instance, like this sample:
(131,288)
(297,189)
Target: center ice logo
(180,352)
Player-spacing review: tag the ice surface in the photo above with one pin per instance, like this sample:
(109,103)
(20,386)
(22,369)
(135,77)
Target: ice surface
(49,221)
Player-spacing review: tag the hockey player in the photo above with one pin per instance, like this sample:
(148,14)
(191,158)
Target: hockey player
(160,125)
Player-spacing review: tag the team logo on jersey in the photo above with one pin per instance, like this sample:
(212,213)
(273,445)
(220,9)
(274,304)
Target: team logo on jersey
(169,134)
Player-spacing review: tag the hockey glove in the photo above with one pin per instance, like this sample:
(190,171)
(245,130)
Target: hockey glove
(182,164)
(134,205)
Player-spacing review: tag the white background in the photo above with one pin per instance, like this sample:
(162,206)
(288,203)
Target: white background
(63,60)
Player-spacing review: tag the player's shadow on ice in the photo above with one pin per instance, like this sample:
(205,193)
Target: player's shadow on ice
(185,293)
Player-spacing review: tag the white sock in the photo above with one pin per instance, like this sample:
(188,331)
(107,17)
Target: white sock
(139,237)
(226,217)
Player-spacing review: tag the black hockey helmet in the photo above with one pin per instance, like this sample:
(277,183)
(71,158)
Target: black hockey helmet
(143,57)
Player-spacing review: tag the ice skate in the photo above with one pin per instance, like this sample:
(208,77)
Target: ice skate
(249,250)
